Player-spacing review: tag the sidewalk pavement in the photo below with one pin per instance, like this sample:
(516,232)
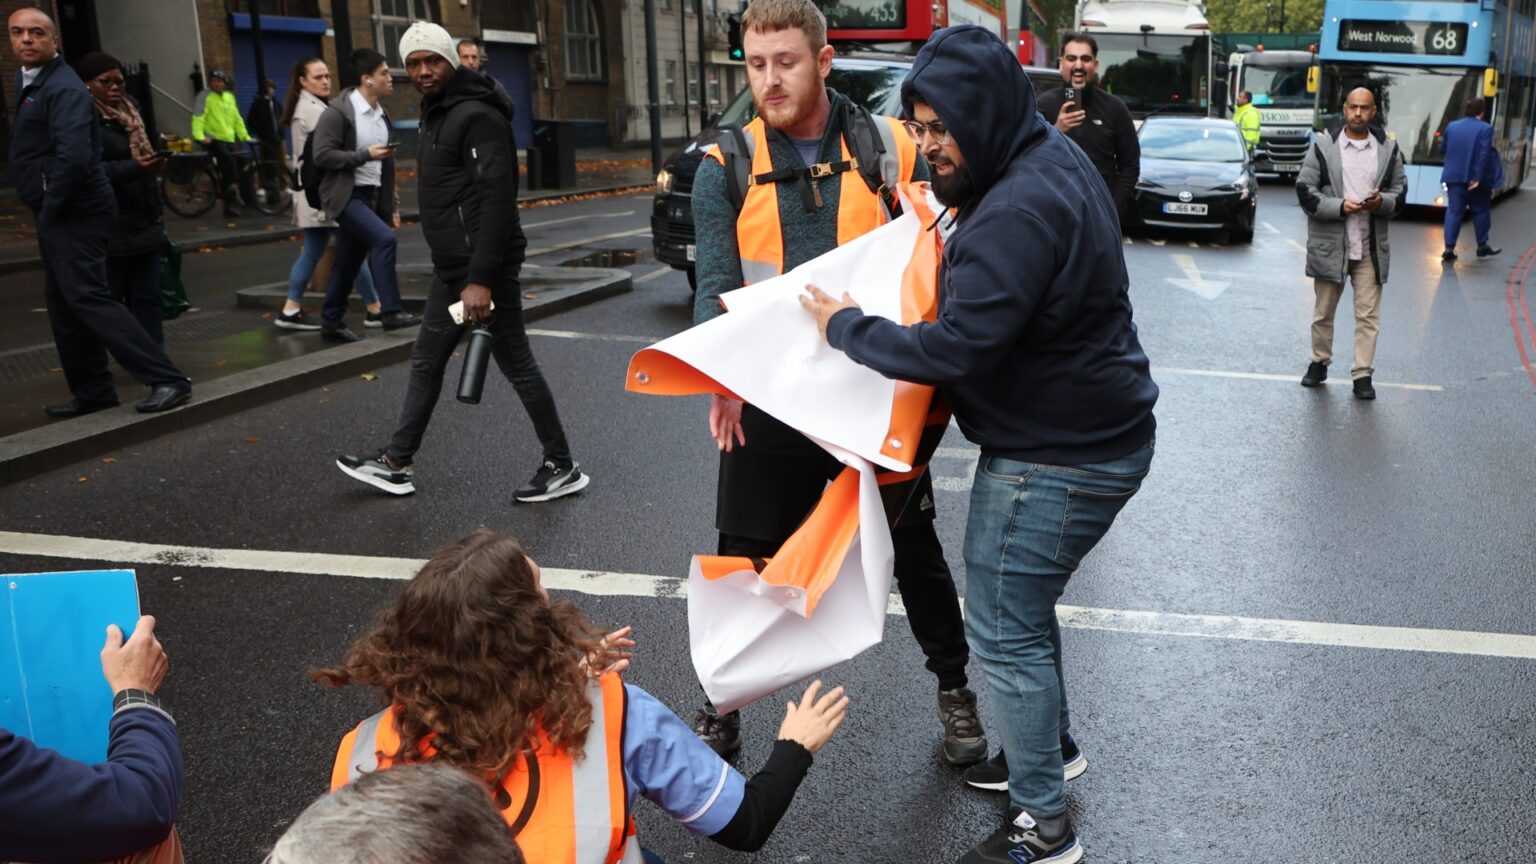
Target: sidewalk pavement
(596,171)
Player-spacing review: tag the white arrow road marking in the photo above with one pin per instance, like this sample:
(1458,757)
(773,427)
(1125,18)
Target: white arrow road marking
(1193,281)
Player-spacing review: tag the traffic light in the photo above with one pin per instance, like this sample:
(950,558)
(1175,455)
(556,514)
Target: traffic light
(733,36)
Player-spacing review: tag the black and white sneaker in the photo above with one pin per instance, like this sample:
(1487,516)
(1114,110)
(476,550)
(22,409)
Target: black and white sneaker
(299,320)
(1023,839)
(552,481)
(992,774)
(376,471)
(373,320)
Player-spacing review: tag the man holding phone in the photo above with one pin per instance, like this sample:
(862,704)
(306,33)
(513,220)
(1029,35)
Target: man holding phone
(1351,182)
(1095,120)
(352,148)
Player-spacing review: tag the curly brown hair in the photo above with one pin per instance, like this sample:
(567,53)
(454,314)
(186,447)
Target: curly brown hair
(478,659)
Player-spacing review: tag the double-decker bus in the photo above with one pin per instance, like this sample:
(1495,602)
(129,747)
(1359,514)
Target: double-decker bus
(1153,54)
(904,25)
(1424,60)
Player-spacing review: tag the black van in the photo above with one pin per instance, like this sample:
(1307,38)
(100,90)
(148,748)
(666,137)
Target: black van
(870,79)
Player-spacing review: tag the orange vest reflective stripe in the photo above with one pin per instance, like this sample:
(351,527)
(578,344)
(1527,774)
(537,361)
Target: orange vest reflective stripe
(564,811)
(759,235)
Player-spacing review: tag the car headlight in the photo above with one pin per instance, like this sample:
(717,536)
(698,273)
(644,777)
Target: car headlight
(1240,188)
(664,181)
(1145,185)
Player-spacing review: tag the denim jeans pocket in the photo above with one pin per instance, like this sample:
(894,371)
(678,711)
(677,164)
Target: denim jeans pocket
(1087,517)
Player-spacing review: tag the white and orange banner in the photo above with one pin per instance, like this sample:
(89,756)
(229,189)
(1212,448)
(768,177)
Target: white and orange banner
(755,627)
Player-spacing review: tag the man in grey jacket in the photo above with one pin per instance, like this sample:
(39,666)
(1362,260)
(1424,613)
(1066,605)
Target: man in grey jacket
(352,147)
(1350,184)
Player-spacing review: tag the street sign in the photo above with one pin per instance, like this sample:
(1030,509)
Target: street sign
(52,627)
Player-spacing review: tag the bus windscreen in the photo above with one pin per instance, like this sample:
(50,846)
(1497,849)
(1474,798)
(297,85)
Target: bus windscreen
(1154,73)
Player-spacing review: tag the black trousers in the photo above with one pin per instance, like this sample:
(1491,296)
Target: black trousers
(88,321)
(769,486)
(134,280)
(509,345)
(229,173)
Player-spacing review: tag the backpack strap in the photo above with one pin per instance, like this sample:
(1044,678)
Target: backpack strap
(877,163)
(736,153)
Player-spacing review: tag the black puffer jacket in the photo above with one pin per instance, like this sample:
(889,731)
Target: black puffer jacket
(139,224)
(468,181)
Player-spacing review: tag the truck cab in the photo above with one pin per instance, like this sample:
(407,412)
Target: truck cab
(1278,82)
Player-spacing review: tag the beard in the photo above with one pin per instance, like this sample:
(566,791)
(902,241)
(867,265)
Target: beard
(794,110)
(956,189)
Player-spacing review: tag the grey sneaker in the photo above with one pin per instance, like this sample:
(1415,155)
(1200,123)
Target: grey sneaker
(1024,839)
(552,481)
(376,471)
(964,742)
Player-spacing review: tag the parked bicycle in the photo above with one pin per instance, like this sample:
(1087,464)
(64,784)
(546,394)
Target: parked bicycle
(191,181)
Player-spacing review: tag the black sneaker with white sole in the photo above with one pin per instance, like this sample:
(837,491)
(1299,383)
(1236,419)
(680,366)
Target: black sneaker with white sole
(992,774)
(376,471)
(299,320)
(373,320)
(1024,840)
(552,481)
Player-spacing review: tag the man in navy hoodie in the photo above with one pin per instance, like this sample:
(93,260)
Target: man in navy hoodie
(58,809)
(1035,347)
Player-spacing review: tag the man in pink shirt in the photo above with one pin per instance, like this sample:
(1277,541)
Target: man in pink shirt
(1350,184)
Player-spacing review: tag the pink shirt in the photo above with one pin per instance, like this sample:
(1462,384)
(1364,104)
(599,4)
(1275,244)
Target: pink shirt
(1358,164)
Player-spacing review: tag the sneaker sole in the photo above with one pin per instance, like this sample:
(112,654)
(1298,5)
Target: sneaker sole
(1070,855)
(1069,771)
(289,325)
(373,325)
(1001,786)
(375,482)
(569,489)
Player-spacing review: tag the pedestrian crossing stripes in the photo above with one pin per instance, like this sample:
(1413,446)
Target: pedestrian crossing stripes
(1149,623)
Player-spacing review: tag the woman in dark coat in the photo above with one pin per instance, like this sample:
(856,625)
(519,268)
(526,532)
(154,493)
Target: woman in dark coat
(133,249)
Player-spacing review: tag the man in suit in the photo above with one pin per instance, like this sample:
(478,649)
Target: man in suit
(56,163)
(1472,171)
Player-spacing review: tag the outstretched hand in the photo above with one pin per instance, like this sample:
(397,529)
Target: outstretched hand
(612,655)
(822,307)
(812,722)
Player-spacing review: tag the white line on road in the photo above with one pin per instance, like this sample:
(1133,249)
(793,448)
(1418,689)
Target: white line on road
(654,274)
(1270,228)
(1265,376)
(560,247)
(1298,246)
(600,337)
(642,585)
(548,222)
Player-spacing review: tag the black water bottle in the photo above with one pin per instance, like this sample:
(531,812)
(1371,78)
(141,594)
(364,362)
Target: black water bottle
(477,359)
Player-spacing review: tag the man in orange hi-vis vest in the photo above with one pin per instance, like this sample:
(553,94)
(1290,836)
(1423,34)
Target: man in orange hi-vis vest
(1035,346)
(810,173)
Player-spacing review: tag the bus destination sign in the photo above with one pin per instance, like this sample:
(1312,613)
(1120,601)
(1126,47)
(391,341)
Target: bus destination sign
(865,14)
(1403,37)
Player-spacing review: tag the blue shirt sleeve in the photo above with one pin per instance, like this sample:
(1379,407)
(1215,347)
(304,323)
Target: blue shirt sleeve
(668,764)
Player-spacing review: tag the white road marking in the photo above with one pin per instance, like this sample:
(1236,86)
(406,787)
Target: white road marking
(1290,379)
(654,274)
(599,583)
(548,222)
(1194,245)
(1158,241)
(599,337)
(1270,228)
(1194,281)
(1294,243)
(1128,241)
(572,244)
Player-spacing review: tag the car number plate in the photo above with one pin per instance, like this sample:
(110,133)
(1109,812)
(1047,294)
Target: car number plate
(1285,168)
(692,251)
(1182,209)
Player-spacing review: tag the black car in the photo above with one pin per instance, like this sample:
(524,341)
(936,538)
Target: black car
(1196,172)
(872,80)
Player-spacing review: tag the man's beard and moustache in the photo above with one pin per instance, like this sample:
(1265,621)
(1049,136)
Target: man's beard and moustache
(954,189)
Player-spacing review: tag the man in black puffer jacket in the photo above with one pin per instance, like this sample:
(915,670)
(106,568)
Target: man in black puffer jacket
(467,181)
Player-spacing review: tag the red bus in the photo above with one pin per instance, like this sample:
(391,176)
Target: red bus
(907,21)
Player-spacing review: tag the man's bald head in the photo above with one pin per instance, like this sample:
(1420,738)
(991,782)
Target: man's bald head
(34,36)
(1359,111)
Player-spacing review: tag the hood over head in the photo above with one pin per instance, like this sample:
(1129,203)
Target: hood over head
(468,85)
(992,122)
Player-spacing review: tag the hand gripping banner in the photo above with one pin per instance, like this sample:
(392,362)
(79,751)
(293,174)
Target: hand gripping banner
(756,626)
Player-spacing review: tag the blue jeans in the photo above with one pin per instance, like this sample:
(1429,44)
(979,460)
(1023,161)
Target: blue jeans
(364,234)
(1457,200)
(1030,526)
(315,240)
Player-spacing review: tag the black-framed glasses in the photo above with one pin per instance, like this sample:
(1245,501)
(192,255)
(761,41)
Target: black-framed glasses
(936,129)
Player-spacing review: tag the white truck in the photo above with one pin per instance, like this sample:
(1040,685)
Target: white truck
(1153,54)
(1277,81)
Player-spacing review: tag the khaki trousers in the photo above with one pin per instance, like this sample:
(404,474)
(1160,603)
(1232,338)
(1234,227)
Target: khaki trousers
(1362,275)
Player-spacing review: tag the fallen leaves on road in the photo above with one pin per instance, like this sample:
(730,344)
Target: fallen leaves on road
(528,295)
(369,376)
(107,460)
(82,479)
(220,362)
(252,439)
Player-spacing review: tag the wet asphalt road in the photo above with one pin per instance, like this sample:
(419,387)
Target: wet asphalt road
(1266,500)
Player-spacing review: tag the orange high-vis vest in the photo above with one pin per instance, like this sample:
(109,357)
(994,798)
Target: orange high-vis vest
(759,235)
(562,811)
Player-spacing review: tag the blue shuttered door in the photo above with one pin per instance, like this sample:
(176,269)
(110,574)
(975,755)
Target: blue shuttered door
(282,50)
(510,65)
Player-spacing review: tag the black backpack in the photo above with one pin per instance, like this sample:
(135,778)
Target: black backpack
(310,175)
(864,144)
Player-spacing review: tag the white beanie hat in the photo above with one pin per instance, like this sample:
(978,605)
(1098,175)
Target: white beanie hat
(426,36)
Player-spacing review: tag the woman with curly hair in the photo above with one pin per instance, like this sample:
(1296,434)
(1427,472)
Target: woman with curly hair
(482,669)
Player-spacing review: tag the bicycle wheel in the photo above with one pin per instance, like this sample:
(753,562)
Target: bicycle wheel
(273,187)
(188,187)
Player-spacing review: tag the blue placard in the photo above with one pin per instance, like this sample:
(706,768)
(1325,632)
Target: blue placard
(52,627)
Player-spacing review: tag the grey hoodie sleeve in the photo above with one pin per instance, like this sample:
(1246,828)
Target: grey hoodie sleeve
(329,134)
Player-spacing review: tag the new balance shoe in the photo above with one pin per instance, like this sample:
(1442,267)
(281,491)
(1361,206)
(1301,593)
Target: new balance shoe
(964,742)
(992,774)
(722,732)
(297,321)
(377,472)
(552,481)
(1025,839)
